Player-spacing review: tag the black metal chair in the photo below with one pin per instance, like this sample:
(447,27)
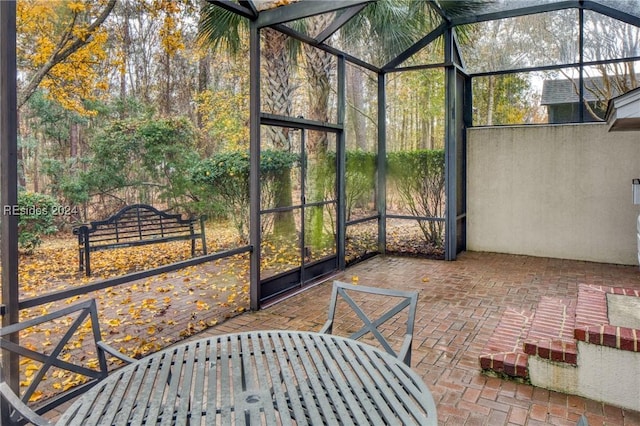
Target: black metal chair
(407,300)
(21,411)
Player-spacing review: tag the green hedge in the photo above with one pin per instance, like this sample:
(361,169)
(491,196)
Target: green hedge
(416,176)
(224,180)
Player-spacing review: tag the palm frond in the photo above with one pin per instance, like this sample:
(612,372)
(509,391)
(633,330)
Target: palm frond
(391,25)
(455,8)
(220,28)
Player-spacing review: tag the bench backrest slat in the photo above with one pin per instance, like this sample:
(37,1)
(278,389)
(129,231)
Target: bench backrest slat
(148,226)
(136,225)
(137,221)
(137,212)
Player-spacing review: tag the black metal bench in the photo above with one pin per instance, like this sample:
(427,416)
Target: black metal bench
(136,225)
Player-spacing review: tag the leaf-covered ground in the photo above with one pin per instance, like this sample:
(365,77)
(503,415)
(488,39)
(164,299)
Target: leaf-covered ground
(137,318)
(147,315)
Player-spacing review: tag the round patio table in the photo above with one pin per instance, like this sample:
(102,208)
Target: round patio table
(261,377)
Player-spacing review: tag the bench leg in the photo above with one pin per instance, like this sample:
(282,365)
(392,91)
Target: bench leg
(203,236)
(83,250)
(87,268)
(87,256)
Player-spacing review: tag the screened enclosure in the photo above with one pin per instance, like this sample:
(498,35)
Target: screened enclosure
(385,94)
(362,123)
(358,117)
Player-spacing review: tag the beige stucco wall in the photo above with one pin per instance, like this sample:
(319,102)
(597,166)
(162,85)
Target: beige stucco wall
(560,191)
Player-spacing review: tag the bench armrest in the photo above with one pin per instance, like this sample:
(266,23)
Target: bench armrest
(22,408)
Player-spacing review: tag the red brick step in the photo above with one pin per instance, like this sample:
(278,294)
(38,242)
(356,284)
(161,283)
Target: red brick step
(592,321)
(504,352)
(551,332)
(552,329)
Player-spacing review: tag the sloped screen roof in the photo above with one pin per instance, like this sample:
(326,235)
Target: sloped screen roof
(385,43)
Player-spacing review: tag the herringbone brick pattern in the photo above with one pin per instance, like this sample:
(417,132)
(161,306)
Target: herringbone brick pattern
(459,307)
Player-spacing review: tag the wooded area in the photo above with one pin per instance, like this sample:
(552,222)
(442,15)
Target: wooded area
(126,101)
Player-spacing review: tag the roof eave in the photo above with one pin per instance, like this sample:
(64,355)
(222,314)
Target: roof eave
(623,112)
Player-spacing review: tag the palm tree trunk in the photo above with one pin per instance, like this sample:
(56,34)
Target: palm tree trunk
(319,66)
(278,100)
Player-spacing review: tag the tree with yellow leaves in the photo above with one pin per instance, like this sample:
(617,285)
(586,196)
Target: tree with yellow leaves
(171,41)
(59,45)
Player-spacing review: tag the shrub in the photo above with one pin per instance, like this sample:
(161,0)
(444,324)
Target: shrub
(224,178)
(360,179)
(142,160)
(36,218)
(418,177)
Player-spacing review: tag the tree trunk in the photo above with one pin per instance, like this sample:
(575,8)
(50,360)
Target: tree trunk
(166,96)
(203,82)
(278,100)
(319,66)
(490,99)
(126,43)
(356,98)
(22,181)
(36,167)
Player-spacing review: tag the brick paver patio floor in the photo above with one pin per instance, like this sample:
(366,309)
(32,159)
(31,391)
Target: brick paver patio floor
(459,305)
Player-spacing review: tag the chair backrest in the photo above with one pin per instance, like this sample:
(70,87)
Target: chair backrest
(406,301)
(19,412)
(38,359)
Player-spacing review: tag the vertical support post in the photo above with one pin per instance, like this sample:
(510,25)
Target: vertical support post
(467,108)
(303,202)
(468,102)
(341,167)
(581,64)
(450,150)
(254,166)
(382,164)
(9,188)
